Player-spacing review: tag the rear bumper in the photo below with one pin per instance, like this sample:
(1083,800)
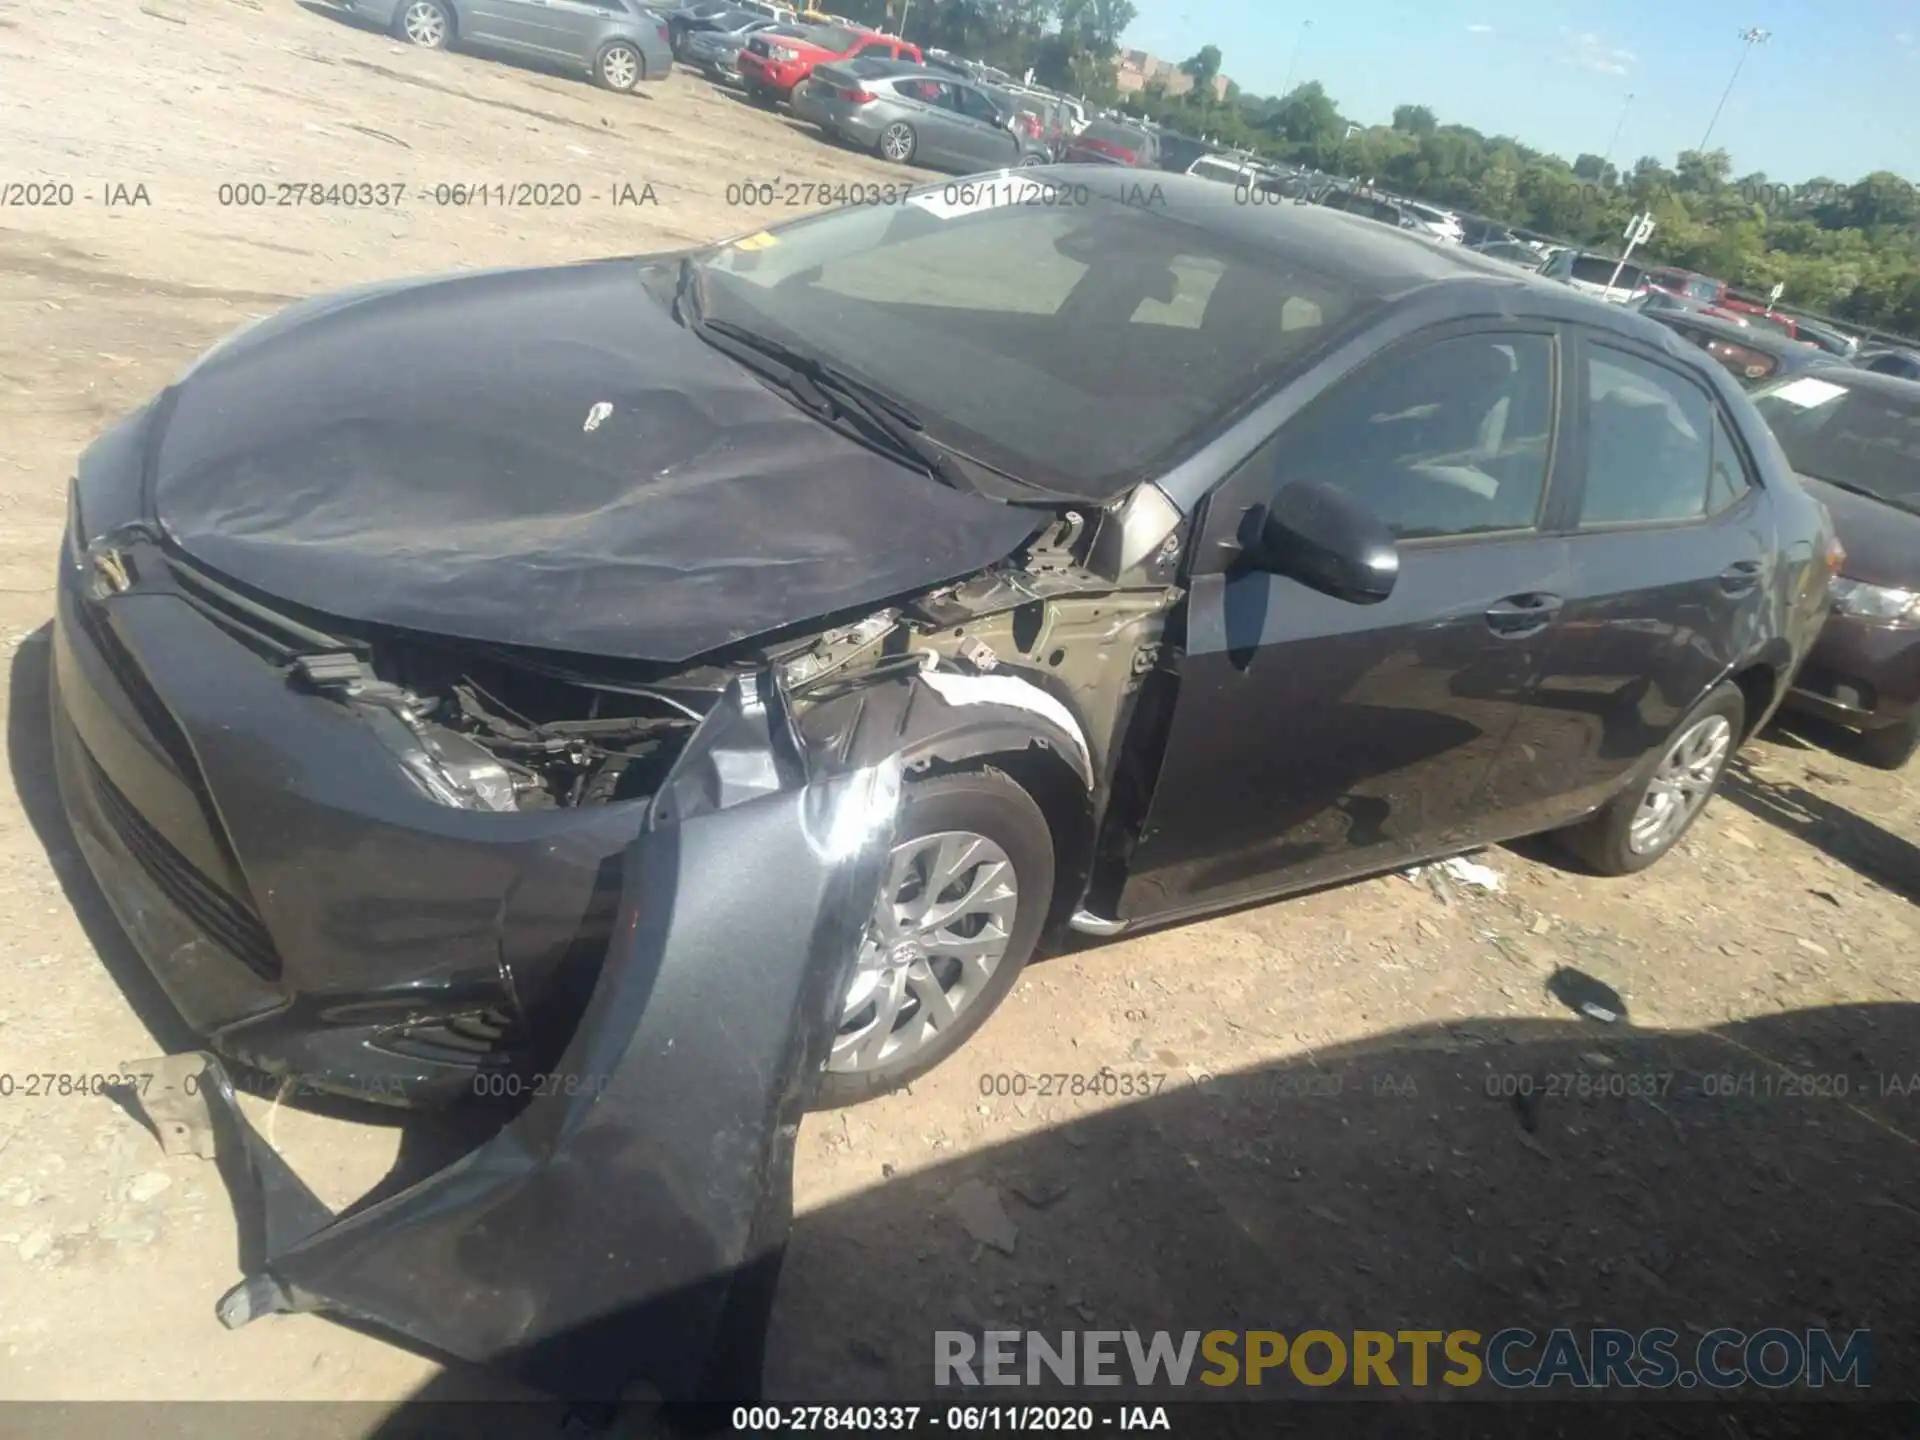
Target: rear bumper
(303,911)
(1860,674)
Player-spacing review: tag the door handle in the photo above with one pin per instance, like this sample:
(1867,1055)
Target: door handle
(1740,577)
(1518,616)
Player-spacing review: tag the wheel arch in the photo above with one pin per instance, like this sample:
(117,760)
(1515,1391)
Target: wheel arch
(1761,680)
(1064,798)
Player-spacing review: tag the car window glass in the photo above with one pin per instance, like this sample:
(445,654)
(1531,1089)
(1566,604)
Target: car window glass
(974,105)
(1728,480)
(928,92)
(1856,438)
(1647,441)
(1451,438)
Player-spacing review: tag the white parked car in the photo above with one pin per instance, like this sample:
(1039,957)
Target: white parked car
(1440,224)
(1596,275)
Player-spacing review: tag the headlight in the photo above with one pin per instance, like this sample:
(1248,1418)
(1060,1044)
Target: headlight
(1900,608)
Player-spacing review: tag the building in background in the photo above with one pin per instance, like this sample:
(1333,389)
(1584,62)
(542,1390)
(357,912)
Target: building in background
(1135,70)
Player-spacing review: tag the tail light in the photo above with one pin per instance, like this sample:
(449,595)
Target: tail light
(857,97)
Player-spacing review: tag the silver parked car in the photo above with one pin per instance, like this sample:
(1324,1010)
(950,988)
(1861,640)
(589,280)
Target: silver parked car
(810,103)
(713,42)
(922,118)
(619,42)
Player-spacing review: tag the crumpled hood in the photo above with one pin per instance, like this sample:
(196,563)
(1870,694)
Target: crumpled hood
(541,458)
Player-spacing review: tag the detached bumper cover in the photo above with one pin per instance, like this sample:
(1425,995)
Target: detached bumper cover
(627,1227)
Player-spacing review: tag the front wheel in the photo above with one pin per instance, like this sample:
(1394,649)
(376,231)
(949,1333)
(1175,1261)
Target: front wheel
(968,884)
(898,142)
(1647,819)
(426,23)
(1889,747)
(620,67)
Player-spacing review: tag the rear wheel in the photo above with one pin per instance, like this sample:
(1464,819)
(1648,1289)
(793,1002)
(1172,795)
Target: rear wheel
(1891,746)
(620,67)
(1672,787)
(967,888)
(426,23)
(898,142)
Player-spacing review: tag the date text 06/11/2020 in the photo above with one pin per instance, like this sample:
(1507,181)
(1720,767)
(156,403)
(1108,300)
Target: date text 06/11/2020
(960,1419)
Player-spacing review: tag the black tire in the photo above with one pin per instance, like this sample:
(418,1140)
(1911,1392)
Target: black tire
(988,803)
(906,152)
(415,35)
(1891,746)
(760,95)
(620,81)
(1603,840)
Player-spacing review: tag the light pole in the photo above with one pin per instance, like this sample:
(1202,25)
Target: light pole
(1619,125)
(1293,65)
(1749,39)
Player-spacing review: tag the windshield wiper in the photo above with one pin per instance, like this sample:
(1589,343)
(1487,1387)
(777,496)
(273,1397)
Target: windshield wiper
(831,393)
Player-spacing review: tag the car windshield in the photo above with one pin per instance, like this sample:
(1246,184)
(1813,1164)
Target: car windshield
(837,38)
(1077,348)
(1859,438)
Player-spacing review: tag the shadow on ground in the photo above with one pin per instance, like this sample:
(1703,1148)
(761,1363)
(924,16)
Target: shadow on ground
(1762,1174)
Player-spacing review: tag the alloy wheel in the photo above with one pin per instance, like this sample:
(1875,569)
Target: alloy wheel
(896,143)
(426,24)
(620,68)
(1681,784)
(940,928)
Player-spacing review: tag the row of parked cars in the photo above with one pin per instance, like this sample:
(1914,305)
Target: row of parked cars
(877,91)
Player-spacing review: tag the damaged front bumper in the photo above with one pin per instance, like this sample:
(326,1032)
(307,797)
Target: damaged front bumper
(626,1227)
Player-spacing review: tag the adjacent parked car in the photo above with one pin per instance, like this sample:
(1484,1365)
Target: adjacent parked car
(772,66)
(1513,252)
(1601,276)
(714,46)
(1366,203)
(1854,439)
(1432,220)
(1757,313)
(1904,364)
(620,43)
(1112,142)
(1753,354)
(921,117)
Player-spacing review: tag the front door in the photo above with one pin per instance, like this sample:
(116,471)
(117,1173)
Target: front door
(1313,738)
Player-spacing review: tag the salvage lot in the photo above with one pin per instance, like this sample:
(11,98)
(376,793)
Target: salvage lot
(1353,1170)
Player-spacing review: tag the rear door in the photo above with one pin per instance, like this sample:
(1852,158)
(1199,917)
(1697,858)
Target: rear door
(1314,739)
(935,122)
(574,28)
(980,141)
(1671,546)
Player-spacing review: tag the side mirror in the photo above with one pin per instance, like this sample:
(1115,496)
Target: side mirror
(1326,539)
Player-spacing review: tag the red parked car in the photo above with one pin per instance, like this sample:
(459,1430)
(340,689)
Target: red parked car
(1755,314)
(771,66)
(1701,291)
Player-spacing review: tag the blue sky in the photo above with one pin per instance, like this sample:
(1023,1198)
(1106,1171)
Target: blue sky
(1835,92)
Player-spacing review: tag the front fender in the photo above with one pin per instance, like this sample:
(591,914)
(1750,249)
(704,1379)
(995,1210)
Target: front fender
(627,1226)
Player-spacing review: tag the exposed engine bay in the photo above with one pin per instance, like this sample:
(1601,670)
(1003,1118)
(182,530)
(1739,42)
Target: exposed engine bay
(1074,614)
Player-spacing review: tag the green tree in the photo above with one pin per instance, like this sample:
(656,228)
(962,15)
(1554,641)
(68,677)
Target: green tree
(1414,119)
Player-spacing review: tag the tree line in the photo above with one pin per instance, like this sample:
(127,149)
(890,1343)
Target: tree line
(1846,249)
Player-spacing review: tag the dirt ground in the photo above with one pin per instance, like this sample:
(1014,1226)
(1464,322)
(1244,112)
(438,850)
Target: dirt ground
(1327,1143)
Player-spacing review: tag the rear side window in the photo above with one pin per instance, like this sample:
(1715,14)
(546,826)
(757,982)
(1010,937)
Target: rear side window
(1649,442)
